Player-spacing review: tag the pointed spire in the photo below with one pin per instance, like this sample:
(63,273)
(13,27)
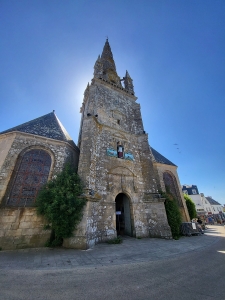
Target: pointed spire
(107,57)
(128,83)
(127,74)
(98,68)
(105,66)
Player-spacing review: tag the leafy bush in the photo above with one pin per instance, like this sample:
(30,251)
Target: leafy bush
(117,240)
(61,203)
(190,206)
(173,214)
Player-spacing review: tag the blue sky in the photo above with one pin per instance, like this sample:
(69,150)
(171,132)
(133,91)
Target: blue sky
(174,50)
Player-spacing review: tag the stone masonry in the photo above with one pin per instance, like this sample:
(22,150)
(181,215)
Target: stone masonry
(20,227)
(122,175)
(111,117)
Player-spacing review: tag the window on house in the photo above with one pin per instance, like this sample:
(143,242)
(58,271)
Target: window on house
(32,173)
(194,191)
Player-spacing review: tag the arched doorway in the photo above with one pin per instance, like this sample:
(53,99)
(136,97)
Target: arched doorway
(123,217)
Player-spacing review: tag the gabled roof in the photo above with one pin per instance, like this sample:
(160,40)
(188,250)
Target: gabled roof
(212,201)
(159,158)
(48,126)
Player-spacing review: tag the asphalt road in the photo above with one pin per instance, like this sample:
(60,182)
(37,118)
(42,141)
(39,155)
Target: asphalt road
(191,268)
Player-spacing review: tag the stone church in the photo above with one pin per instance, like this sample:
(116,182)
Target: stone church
(121,173)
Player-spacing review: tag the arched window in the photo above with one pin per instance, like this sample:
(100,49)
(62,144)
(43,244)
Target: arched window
(31,175)
(170,183)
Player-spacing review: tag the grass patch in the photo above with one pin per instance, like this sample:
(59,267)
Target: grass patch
(117,240)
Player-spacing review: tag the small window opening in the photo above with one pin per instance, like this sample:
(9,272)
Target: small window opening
(118,121)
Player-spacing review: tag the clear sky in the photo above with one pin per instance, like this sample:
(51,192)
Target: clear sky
(173,49)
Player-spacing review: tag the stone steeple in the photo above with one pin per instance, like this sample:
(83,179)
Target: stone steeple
(105,67)
(107,58)
(98,68)
(128,83)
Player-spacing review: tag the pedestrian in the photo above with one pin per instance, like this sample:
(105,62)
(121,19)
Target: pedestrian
(199,222)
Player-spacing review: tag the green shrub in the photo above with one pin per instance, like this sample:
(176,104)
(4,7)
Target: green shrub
(173,214)
(117,240)
(190,206)
(61,203)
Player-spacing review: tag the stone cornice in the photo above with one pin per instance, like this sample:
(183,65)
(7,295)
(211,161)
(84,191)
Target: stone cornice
(34,136)
(118,129)
(166,165)
(153,198)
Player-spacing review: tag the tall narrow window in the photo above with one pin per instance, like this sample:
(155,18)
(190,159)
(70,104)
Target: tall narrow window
(31,175)
(170,183)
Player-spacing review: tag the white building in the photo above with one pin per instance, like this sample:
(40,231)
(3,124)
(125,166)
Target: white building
(204,205)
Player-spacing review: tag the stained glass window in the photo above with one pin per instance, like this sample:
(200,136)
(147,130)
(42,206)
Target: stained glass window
(32,173)
(170,182)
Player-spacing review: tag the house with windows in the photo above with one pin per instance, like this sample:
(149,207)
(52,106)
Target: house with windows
(204,205)
(190,189)
(216,207)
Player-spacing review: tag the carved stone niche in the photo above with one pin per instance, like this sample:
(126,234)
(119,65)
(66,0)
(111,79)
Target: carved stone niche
(121,178)
(118,115)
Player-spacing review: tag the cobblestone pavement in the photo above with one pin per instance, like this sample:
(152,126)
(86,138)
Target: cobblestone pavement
(130,251)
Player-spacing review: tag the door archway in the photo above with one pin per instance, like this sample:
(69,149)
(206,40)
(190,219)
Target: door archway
(123,215)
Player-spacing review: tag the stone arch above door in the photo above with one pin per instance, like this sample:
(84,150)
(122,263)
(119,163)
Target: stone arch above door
(121,171)
(122,179)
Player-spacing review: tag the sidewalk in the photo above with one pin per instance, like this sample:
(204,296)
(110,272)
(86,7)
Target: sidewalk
(130,251)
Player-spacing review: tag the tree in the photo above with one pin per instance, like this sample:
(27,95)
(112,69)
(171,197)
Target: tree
(173,214)
(61,203)
(190,206)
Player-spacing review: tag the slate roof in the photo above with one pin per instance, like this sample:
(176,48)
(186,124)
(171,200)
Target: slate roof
(47,126)
(159,158)
(212,201)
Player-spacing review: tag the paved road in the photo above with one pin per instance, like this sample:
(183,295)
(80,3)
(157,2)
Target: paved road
(190,268)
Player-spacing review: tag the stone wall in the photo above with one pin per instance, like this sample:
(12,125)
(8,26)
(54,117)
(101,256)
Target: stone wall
(21,227)
(14,144)
(109,116)
(160,169)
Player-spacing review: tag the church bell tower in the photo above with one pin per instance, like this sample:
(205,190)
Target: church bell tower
(115,162)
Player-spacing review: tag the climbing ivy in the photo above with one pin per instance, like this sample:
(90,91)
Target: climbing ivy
(173,214)
(61,203)
(190,206)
